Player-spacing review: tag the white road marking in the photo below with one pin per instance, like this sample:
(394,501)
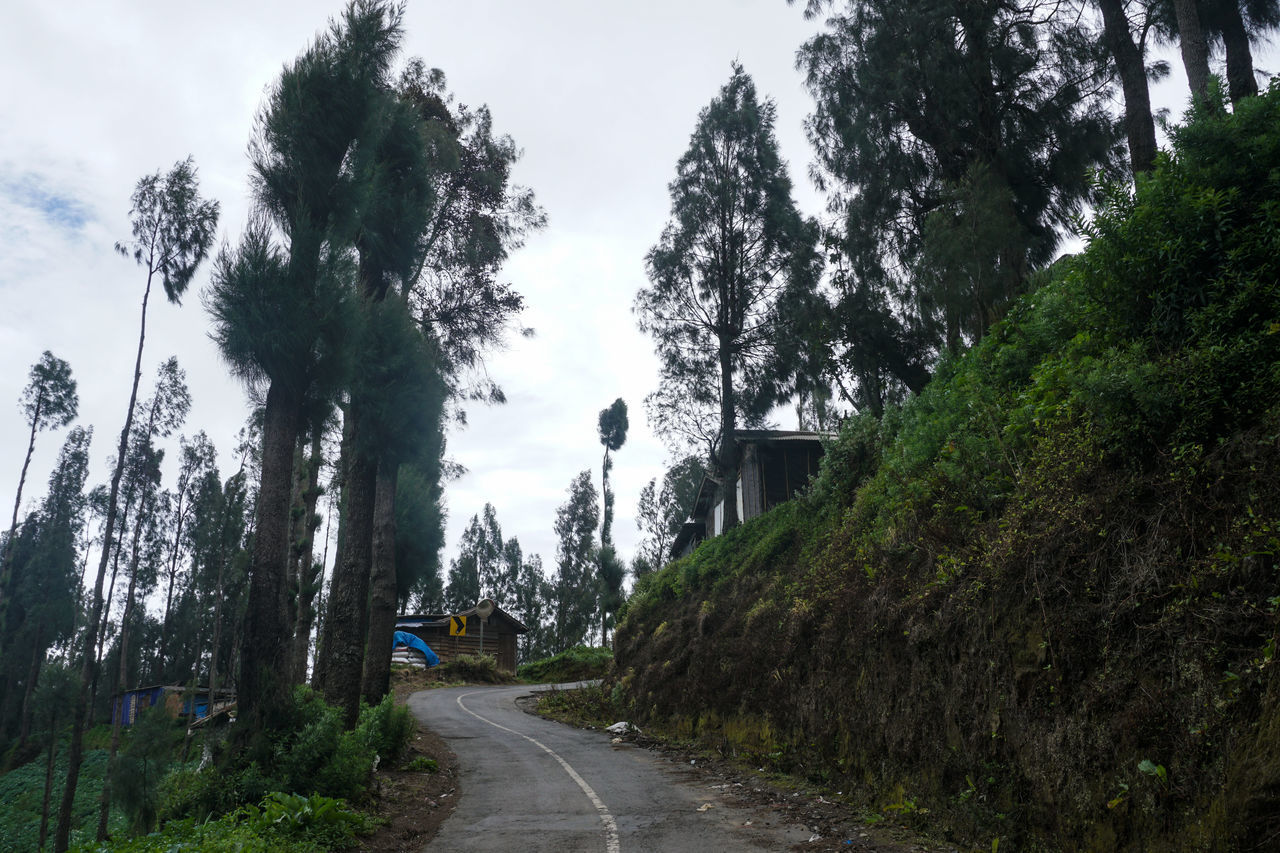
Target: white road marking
(612,844)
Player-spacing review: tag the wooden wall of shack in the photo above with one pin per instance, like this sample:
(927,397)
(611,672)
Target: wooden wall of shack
(499,640)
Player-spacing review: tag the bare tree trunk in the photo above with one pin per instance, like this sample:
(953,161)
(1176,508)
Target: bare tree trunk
(48,776)
(263,688)
(297,530)
(1195,49)
(217,639)
(6,567)
(111,591)
(89,668)
(1241,83)
(309,574)
(1138,124)
(382,587)
(104,803)
(341,661)
(727,463)
(173,573)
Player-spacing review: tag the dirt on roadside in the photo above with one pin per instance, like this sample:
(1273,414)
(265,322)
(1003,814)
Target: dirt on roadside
(413,802)
(834,825)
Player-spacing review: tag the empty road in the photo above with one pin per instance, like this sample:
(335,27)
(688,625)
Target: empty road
(530,784)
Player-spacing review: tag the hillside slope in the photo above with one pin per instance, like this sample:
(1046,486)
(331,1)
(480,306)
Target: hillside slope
(1039,601)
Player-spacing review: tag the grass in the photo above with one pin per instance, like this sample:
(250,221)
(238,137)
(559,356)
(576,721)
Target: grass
(580,663)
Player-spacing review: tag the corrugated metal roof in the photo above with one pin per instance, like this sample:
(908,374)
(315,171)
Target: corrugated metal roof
(441,620)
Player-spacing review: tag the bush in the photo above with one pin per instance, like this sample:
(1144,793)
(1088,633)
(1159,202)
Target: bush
(311,754)
(279,823)
(576,664)
(480,669)
(386,728)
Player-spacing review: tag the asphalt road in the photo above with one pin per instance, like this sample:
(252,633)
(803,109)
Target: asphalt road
(529,784)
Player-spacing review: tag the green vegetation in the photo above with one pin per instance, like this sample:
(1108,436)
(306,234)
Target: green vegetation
(579,663)
(1039,598)
(21,792)
(309,753)
(281,823)
(585,707)
(473,669)
(290,796)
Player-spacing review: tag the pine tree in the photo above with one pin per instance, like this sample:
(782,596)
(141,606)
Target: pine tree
(173,229)
(282,318)
(574,593)
(959,141)
(735,242)
(49,400)
(612,426)
(166,411)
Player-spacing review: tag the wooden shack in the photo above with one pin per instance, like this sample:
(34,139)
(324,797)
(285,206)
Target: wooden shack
(177,700)
(774,465)
(495,635)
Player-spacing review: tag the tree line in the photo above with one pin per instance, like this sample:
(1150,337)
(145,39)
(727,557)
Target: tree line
(356,308)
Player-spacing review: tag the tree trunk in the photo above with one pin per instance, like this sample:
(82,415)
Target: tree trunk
(297,530)
(89,669)
(29,693)
(1138,124)
(382,587)
(173,574)
(263,688)
(341,661)
(122,678)
(1195,49)
(216,642)
(5,567)
(728,457)
(48,777)
(1240,80)
(309,577)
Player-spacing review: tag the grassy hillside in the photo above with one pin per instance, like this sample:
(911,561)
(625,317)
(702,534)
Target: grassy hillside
(1040,600)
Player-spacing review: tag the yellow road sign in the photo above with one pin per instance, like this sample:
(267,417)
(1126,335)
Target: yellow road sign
(457,626)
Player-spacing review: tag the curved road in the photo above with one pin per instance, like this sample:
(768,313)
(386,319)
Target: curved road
(530,784)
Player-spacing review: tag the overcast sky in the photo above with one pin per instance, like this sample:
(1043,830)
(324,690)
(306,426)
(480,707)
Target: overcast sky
(601,96)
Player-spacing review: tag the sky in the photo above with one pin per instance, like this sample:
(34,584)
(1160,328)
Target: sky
(602,98)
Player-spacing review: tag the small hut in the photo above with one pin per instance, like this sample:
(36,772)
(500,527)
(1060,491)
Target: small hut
(492,635)
(774,465)
(178,701)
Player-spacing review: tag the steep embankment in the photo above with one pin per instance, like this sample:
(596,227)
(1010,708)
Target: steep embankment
(1040,601)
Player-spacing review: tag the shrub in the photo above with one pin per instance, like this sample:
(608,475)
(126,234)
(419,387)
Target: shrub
(576,664)
(311,754)
(386,728)
(482,669)
(279,823)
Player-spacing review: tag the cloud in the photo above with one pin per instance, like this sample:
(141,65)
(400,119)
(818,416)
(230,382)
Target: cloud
(34,192)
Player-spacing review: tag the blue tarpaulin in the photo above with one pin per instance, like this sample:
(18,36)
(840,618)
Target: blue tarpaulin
(404,638)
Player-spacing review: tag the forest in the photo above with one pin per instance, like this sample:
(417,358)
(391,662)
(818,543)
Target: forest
(1048,473)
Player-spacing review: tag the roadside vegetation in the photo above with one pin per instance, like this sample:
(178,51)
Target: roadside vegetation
(1038,600)
(580,663)
(304,793)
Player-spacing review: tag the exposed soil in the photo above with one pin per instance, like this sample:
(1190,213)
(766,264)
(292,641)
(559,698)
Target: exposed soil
(414,803)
